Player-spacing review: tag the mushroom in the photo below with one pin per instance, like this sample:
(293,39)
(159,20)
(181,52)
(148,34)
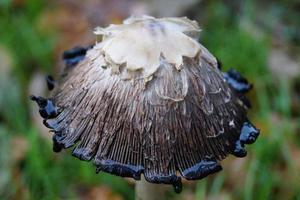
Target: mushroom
(149,99)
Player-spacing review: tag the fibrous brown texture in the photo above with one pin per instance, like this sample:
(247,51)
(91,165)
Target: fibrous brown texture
(173,122)
(181,120)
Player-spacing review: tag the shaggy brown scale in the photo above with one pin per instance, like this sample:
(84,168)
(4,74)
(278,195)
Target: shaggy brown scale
(166,121)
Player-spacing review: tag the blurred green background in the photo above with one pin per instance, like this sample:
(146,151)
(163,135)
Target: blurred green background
(259,38)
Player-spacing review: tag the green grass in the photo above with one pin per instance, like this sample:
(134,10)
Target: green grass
(31,48)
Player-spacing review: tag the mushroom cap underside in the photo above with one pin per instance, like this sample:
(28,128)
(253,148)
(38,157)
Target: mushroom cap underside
(180,121)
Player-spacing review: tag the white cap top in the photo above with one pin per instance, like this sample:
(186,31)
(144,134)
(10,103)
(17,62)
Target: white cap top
(140,42)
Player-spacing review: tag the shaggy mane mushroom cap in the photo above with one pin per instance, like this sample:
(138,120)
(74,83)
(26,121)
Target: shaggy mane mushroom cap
(187,118)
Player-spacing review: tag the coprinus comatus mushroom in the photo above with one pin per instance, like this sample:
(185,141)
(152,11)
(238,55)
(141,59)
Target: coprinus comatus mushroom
(149,99)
